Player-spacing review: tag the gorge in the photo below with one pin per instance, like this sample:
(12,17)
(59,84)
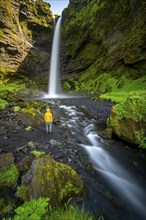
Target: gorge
(100,133)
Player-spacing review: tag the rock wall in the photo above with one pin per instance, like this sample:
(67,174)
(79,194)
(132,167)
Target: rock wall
(104,33)
(25,37)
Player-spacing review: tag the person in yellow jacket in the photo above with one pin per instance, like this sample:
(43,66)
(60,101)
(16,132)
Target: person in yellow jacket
(49,120)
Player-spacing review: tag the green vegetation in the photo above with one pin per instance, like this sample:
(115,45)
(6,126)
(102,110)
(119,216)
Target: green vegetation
(123,86)
(31,144)
(114,86)
(128,118)
(126,88)
(5,206)
(3,104)
(37,154)
(9,91)
(133,107)
(22,193)
(62,180)
(41,13)
(40,209)
(16,109)
(32,210)
(9,176)
(34,109)
(29,128)
(68,213)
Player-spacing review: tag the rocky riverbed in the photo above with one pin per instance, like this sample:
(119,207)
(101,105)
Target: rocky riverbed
(15,139)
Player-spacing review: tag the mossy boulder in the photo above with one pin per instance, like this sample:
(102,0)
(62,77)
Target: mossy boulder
(128,119)
(49,178)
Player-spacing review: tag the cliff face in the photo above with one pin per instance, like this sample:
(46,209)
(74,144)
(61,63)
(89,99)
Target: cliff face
(26,31)
(104,53)
(103,34)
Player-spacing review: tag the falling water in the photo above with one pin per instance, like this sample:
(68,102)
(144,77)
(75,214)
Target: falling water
(54,84)
(54,20)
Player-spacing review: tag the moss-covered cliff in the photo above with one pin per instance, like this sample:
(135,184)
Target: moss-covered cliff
(104,53)
(103,34)
(25,36)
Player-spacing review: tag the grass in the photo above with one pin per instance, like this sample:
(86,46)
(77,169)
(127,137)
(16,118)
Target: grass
(120,94)
(68,213)
(40,209)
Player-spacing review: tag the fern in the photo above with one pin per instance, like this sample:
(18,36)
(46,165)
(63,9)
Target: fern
(32,210)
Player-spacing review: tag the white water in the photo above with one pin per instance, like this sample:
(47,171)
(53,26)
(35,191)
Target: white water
(53,20)
(54,84)
(122,182)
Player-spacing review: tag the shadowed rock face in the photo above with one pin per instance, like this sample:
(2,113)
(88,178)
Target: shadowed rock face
(106,33)
(25,36)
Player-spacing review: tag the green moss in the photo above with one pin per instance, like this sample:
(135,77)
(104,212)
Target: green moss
(3,104)
(9,89)
(22,192)
(31,144)
(5,207)
(9,177)
(52,179)
(16,109)
(134,38)
(29,128)
(143,142)
(37,154)
(65,187)
(134,107)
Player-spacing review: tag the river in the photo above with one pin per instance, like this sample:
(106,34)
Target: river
(114,179)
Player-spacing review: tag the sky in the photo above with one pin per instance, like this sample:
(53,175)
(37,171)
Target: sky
(57,6)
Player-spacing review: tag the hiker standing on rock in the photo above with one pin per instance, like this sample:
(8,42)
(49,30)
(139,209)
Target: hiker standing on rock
(49,120)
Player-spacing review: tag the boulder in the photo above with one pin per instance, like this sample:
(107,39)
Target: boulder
(49,178)
(128,119)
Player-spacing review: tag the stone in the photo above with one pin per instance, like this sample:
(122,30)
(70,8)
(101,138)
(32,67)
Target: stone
(6,160)
(49,178)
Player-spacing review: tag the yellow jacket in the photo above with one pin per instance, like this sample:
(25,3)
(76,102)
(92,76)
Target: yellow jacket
(48,116)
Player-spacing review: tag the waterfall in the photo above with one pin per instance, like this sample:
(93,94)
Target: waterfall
(53,20)
(54,84)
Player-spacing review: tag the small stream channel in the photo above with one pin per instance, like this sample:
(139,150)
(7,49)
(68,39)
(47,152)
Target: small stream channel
(116,184)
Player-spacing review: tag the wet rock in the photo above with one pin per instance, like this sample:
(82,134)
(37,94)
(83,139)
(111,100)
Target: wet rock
(21,148)
(90,168)
(25,164)
(3,130)
(107,133)
(54,142)
(6,160)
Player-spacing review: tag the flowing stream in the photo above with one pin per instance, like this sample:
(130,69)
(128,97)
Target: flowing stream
(121,190)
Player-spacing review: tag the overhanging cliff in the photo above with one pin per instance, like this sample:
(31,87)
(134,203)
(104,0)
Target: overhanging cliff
(25,37)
